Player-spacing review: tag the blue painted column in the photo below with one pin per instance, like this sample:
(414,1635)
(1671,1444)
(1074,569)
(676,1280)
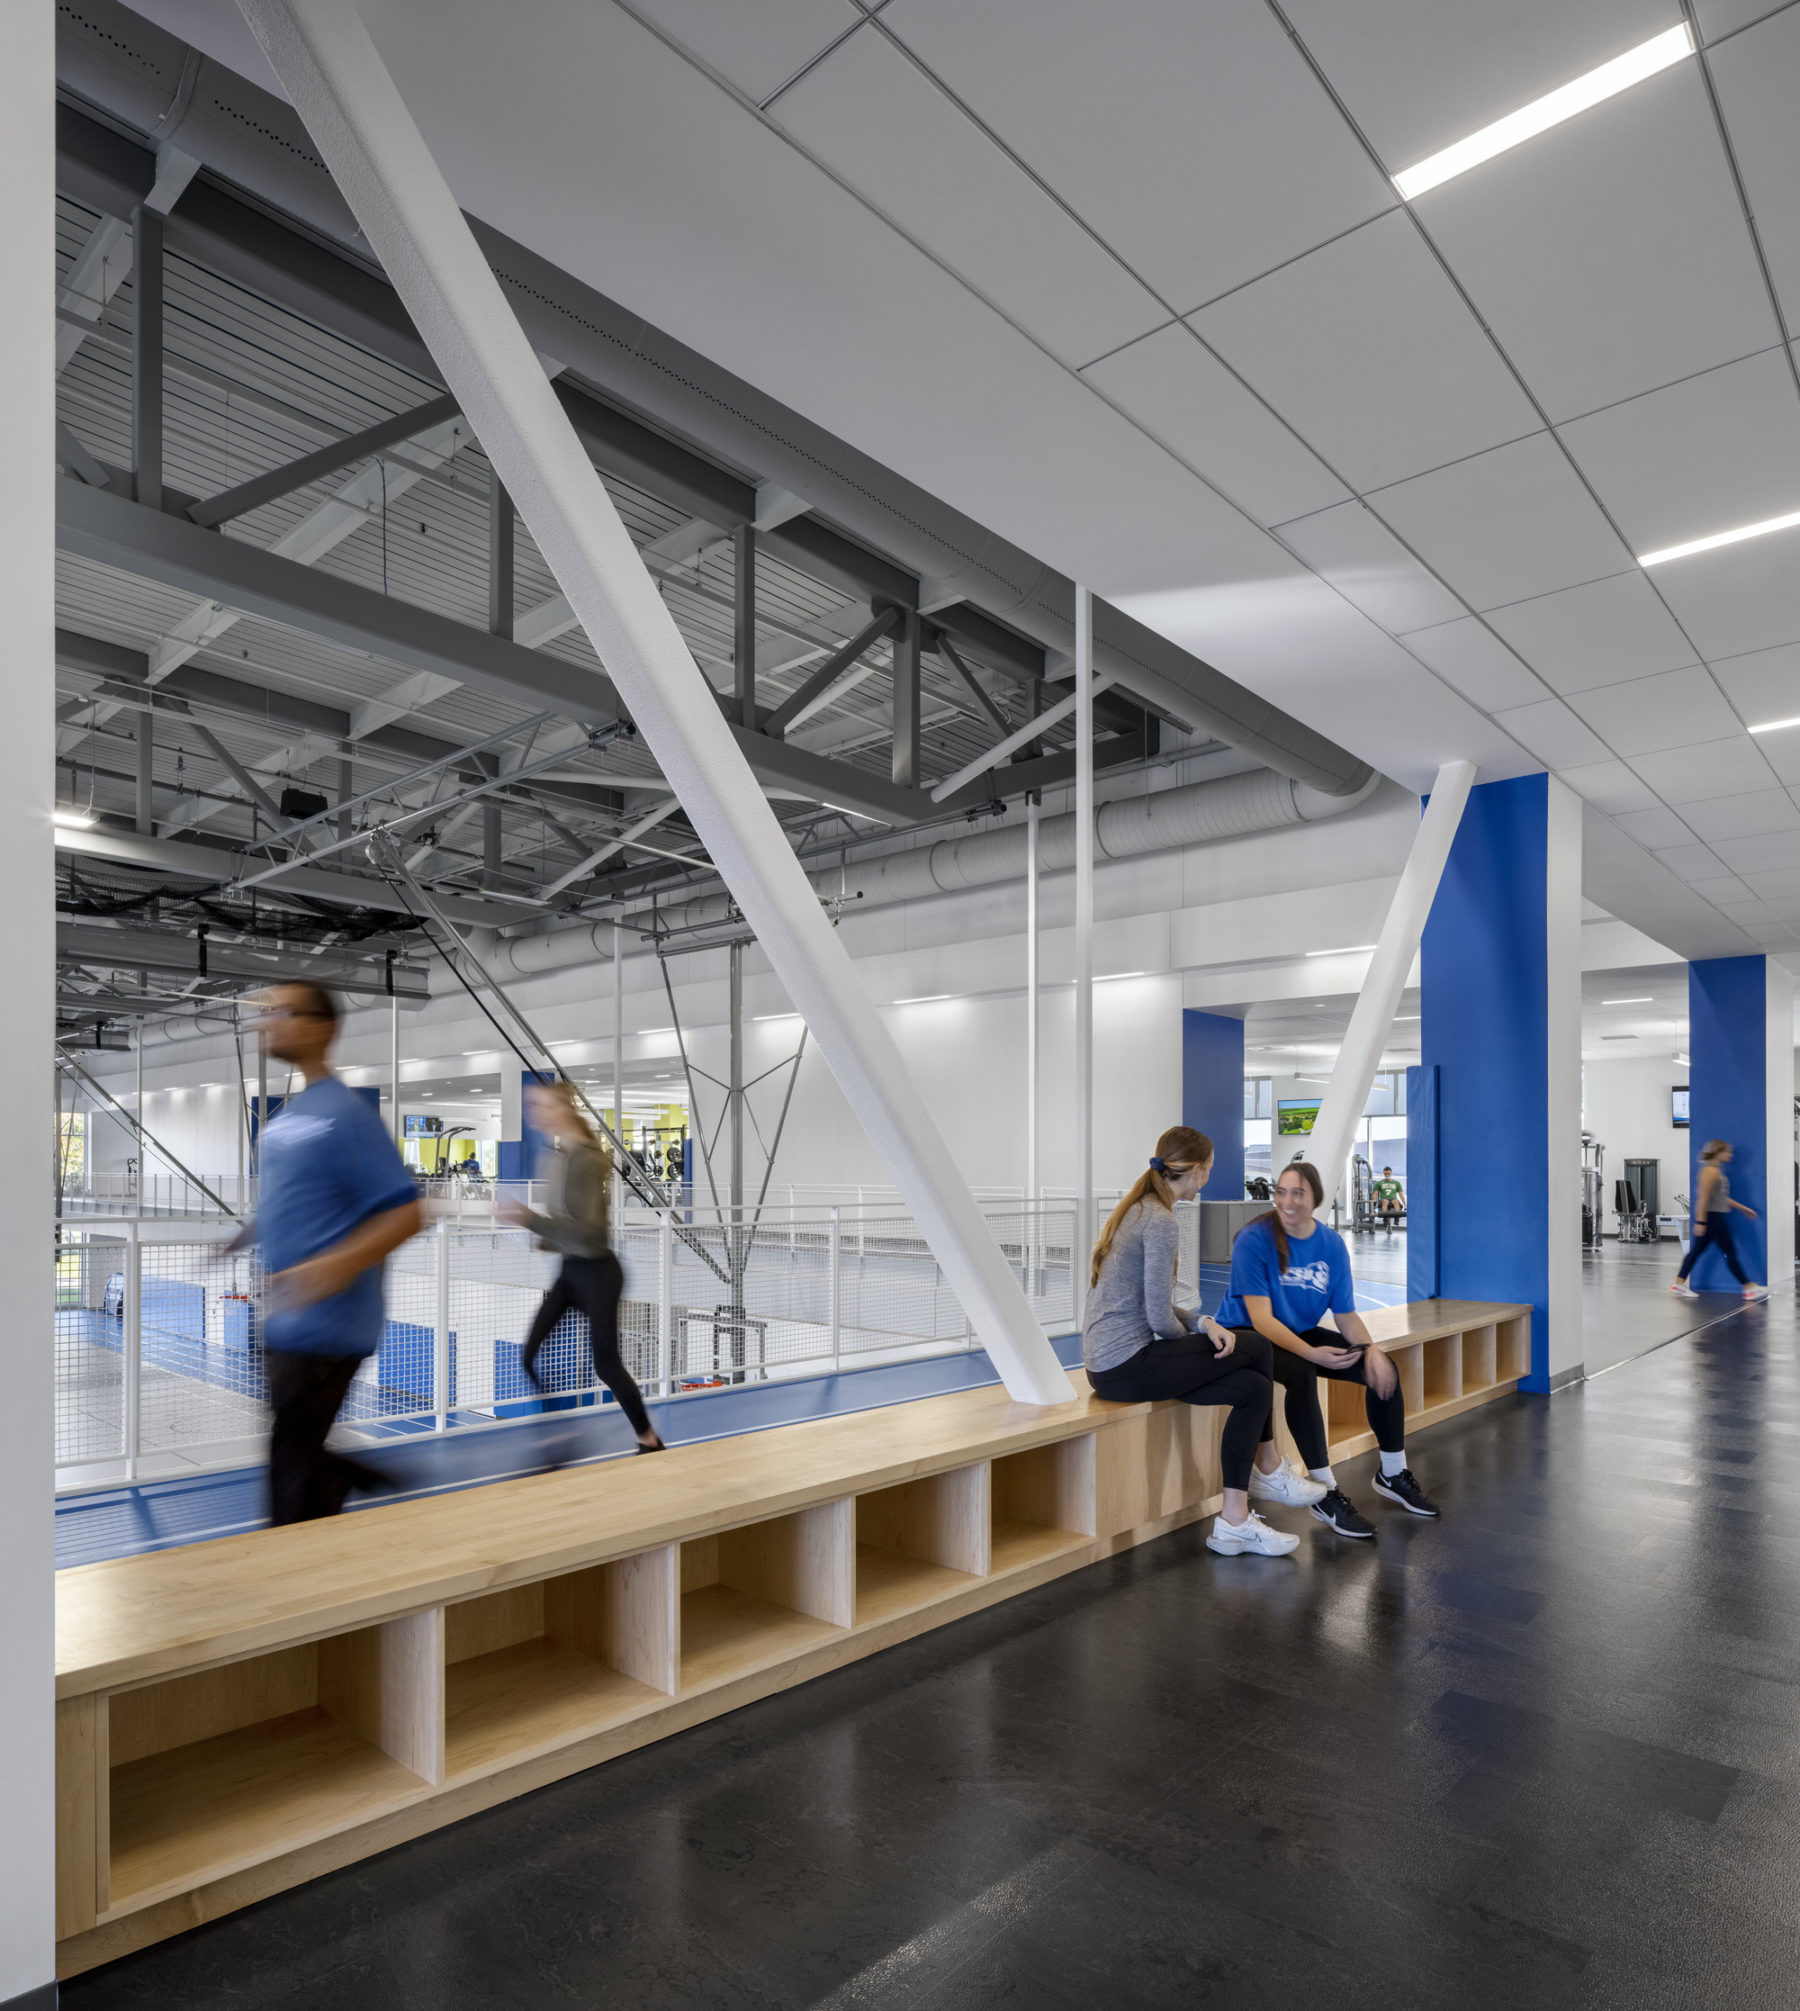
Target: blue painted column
(1212,1094)
(1500,986)
(520,1143)
(1741,1084)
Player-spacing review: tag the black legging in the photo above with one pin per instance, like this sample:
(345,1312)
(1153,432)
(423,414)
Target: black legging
(307,1480)
(1188,1369)
(590,1285)
(1299,1382)
(1717,1235)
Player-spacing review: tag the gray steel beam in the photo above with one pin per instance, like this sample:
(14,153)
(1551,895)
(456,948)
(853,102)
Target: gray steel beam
(146,356)
(146,772)
(947,650)
(907,698)
(323,461)
(1046,772)
(501,527)
(743,624)
(821,680)
(76,458)
(160,950)
(247,782)
(116,532)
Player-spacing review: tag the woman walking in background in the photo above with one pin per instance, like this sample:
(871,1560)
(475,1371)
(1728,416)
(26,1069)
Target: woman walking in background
(576,1221)
(1713,1208)
(1137,1345)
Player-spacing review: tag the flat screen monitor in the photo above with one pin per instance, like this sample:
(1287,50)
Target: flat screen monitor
(423,1127)
(1295,1117)
(1678,1107)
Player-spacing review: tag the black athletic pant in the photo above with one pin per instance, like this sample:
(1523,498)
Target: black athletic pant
(590,1285)
(1189,1370)
(1717,1235)
(1299,1382)
(305,1481)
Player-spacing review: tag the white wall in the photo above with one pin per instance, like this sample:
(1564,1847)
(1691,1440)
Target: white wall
(1625,1105)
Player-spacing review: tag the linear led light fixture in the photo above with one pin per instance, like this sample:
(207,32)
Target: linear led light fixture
(1774,725)
(646,1029)
(1718,538)
(926,998)
(1112,977)
(1550,110)
(761,1016)
(1355,950)
(1642,1001)
(71,820)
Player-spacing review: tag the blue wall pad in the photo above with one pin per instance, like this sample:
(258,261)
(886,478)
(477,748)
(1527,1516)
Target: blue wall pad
(1485,1029)
(1728,1084)
(1212,1093)
(1422,1255)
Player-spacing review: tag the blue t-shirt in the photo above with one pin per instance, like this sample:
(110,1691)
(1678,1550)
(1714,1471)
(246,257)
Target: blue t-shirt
(328,1164)
(1317,1280)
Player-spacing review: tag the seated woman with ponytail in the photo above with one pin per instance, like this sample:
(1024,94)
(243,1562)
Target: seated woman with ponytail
(1137,1345)
(1287,1272)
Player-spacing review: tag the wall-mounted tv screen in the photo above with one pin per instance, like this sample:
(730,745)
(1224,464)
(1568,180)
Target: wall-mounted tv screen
(1295,1117)
(423,1127)
(1678,1107)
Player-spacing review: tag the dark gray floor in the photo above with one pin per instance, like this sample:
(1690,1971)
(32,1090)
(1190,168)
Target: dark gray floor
(1543,1753)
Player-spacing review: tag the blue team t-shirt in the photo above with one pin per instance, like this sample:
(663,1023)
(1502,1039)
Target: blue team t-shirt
(328,1164)
(1316,1281)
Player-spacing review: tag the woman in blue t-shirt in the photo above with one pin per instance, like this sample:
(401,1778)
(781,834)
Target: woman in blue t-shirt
(1287,1272)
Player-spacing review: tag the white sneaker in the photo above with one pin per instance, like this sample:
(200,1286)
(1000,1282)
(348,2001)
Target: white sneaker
(1288,1484)
(1253,1534)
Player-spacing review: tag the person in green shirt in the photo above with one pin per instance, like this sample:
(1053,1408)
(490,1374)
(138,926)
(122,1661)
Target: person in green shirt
(1390,1196)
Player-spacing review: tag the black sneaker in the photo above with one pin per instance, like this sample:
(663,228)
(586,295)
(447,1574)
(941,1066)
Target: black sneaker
(1401,1487)
(1338,1510)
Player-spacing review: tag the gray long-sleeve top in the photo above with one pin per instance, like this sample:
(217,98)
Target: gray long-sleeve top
(1133,1304)
(578,1191)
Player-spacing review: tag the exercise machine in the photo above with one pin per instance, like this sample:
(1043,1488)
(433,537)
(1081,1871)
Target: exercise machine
(1593,1191)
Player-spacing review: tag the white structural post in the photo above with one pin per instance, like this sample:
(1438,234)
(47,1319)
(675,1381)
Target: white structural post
(131,1349)
(334,76)
(442,1341)
(28,914)
(665,1298)
(394,1066)
(1084,943)
(618,1120)
(1778,1124)
(1372,1019)
(1031,1039)
(834,1285)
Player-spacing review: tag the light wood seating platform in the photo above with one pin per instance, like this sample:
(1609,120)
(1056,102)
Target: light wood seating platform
(238,1716)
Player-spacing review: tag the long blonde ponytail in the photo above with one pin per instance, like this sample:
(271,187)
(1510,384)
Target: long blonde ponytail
(1179,1150)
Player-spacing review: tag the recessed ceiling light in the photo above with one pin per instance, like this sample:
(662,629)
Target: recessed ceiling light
(656,1029)
(1643,1001)
(1718,538)
(1775,725)
(1401,1017)
(1355,950)
(72,820)
(926,998)
(1550,110)
(1112,977)
(761,1016)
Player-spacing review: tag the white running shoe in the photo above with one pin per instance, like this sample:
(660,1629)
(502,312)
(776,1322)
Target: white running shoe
(1287,1484)
(1253,1534)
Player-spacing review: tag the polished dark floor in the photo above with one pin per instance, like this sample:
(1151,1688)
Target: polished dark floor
(1544,1753)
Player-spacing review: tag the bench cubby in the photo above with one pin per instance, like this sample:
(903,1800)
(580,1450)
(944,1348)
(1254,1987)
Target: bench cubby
(755,1596)
(921,1541)
(1041,1503)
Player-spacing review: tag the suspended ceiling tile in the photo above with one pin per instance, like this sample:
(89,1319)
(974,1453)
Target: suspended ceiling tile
(1757,75)
(1782,752)
(1763,813)
(1647,714)
(1728,887)
(1767,852)
(1660,829)
(879,123)
(1365,348)
(1738,598)
(758,49)
(1418,75)
(1696,774)
(1195,140)
(1764,685)
(1778,884)
(1697,457)
(1361,557)
(1609,255)
(1610,786)
(1171,384)
(1506,525)
(1688,861)
(1596,634)
(1467,655)
(1553,733)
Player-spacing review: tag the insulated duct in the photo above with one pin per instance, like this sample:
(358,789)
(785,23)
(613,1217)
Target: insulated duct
(1235,807)
(145,79)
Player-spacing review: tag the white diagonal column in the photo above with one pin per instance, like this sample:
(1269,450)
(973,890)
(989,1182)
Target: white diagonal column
(331,71)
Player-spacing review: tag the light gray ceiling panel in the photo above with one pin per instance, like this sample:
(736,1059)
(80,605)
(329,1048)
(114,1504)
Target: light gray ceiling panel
(1553,733)
(891,134)
(1660,829)
(1739,598)
(1371,569)
(1190,401)
(1364,347)
(1693,863)
(1609,254)
(1697,774)
(1194,139)
(1596,634)
(1763,686)
(1766,852)
(1506,525)
(1647,714)
(1754,74)
(1473,660)
(1697,457)
(756,48)
(1418,75)
(1610,786)
(1782,752)
(1760,814)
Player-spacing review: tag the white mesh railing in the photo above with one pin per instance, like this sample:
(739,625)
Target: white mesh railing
(159,1363)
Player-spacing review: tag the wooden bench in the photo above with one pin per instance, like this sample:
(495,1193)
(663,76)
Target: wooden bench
(238,1716)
